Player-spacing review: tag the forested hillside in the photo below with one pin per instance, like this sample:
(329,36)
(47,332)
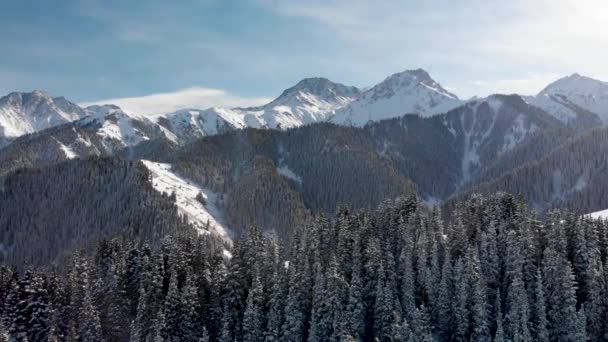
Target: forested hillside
(396,273)
(48,213)
(316,167)
(571,175)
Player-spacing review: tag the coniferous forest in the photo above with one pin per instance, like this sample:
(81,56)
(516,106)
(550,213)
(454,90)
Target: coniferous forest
(493,272)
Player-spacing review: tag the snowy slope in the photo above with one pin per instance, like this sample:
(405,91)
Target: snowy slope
(188,124)
(565,97)
(602,214)
(311,100)
(117,128)
(408,92)
(207,219)
(489,127)
(23,113)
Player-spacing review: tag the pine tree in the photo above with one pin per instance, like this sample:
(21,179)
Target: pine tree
(383,308)
(517,315)
(172,309)
(444,298)
(560,290)
(400,329)
(204,336)
(478,307)
(337,289)
(297,307)
(189,309)
(277,299)
(137,331)
(117,308)
(91,324)
(253,322)
(499,335)
(423,329)
(540,312)
(356,307)
(407,288)
(459,302)
(581,326)
(160,327)
(321,321)
(40,307)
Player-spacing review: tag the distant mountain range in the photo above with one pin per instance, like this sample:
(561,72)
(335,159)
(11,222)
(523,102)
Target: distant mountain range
(318,145)
(574,98)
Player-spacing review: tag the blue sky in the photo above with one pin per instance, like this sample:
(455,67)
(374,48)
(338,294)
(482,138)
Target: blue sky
(240,52)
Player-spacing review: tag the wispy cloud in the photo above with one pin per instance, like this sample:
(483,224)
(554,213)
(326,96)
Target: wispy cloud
(195,97)
(470,39)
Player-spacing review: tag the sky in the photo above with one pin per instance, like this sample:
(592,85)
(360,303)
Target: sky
(204,53)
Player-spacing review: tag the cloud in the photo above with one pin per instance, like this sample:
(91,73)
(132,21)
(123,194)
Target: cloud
(195,97)
(500,42)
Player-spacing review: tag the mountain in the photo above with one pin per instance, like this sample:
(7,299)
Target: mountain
(408,92)
(49,212)
(198,205)
(273,178)
(571,175)
(311,100)
(23,113)
(187,125)
(573,98)
(106,130)
(442,153)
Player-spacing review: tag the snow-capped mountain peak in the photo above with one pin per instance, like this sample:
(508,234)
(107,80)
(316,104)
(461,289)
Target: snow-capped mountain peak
(188,124)
(310,100)
(407,92)
(576,84)
(322,88)
(117,128)
(23,113)
(570,96)
(412,78)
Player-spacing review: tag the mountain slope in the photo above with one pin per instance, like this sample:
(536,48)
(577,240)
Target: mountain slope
(105,131)
(442,153)
(408,92)
(187,125)
(572,175)
(23,113)
(271,178)
(575,97)
(311,100)
(195,203)
(49,212)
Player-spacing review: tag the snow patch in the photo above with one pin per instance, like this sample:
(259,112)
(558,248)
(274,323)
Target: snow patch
(69,153)
(207,219)
(284,170)
(599,215)
(516,134)
(121,130)
(432,202)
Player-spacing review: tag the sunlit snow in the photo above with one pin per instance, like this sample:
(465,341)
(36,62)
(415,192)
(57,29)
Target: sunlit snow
(205,218)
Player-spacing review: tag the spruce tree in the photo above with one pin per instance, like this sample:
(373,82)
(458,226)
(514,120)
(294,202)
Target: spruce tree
(253,320)
(540,311)
(90,327)
(422,326)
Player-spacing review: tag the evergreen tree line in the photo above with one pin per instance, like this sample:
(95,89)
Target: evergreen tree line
(396,273)
(48,213)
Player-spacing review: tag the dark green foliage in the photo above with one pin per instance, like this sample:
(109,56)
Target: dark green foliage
(47,213)
(464,281)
